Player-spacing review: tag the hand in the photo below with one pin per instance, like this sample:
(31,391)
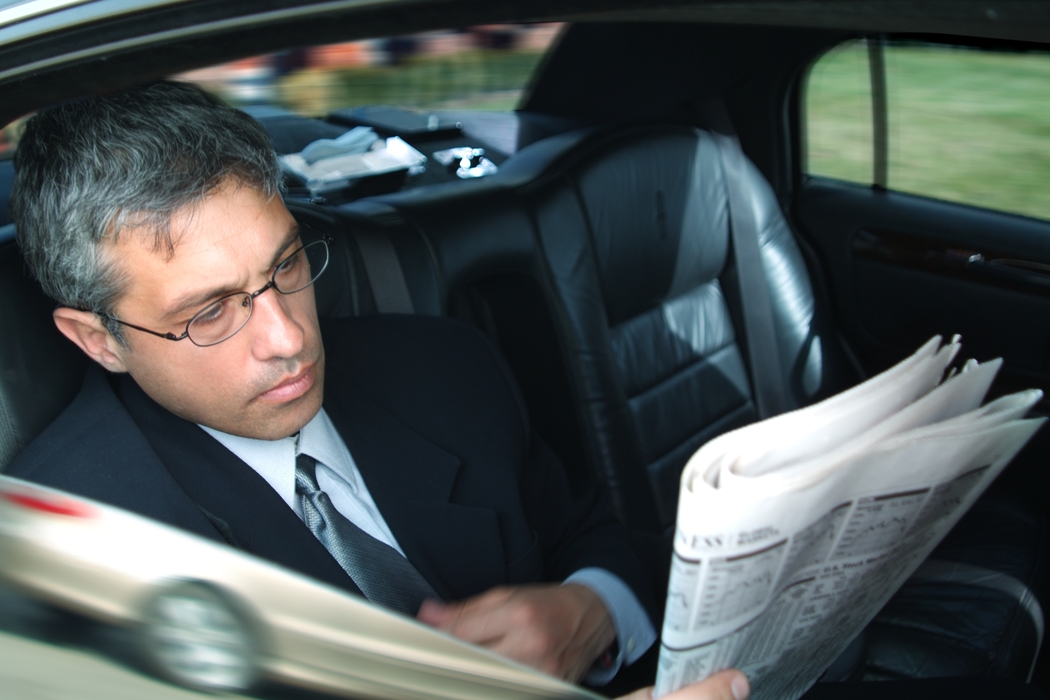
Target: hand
(724,685)
(558,629)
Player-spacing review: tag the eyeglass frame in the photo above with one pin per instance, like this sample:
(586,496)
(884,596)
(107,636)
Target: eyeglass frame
(325,238)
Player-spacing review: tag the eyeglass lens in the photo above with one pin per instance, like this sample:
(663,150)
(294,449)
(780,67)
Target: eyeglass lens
(217,322)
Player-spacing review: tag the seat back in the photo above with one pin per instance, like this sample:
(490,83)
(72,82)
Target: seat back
(40,371)
(633,227)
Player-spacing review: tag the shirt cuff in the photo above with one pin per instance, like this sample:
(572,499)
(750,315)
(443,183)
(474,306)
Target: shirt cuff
(634,631)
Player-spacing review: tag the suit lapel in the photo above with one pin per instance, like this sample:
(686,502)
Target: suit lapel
(229,491)
(96,450)
(456,548)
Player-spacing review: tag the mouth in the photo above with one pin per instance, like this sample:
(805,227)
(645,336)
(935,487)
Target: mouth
(290,388)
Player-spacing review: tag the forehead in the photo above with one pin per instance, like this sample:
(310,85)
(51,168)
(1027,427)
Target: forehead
(228,238)
(232,214)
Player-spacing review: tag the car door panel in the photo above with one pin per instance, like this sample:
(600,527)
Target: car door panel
(903,267)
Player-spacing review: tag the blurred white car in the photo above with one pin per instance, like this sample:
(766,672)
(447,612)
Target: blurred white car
(214,618)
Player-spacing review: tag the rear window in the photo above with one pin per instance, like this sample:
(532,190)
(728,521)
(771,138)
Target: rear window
(9,137)
(484,68)
(480,68)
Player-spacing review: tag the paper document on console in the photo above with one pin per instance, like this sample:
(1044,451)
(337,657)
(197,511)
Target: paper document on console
(793,532)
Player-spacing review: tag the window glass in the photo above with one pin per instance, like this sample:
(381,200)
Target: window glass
(484,68)
(838,115)
(479,68)
(970,126)
(9,137)
(964,124)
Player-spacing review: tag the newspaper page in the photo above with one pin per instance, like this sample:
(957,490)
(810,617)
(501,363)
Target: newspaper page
(792,533)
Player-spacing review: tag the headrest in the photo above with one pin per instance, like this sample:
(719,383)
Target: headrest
(654,200)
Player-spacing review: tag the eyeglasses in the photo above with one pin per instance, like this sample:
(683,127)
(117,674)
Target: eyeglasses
(222,319)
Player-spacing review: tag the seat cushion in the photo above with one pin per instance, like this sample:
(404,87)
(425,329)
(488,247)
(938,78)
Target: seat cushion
(972,608)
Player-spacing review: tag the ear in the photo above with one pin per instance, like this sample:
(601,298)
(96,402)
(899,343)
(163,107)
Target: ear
(87,331)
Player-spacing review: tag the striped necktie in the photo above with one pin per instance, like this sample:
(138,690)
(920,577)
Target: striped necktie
(382,574)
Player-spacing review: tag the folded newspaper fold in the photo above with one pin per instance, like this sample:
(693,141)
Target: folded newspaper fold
(793,532)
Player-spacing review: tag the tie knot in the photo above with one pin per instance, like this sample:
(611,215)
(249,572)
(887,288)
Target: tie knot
(305,476)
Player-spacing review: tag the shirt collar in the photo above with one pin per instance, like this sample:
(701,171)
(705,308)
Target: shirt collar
(321,440)
(274,460)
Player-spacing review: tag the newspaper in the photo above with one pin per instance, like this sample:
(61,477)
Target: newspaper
(337,171)
(792,533)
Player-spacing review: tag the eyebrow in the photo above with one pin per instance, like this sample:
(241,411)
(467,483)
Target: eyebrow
(192,300)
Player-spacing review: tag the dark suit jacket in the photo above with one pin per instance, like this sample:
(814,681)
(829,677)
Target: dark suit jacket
(437,428)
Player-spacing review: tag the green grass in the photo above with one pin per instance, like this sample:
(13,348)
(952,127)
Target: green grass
(964,126)
(838,115)
(490,80)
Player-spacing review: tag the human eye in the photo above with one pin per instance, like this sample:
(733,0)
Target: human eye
(291,267)
(217,313)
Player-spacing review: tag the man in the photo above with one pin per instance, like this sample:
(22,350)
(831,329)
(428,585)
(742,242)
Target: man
(389,455)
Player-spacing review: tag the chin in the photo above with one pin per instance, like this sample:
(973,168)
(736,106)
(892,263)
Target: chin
(291,422)
(270,422)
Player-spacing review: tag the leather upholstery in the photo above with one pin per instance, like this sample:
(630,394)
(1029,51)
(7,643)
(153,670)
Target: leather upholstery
(629,349)
(973,607)
(633,228)
(40,371)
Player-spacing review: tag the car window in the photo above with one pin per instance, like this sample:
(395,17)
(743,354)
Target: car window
(9,137)
(478,68)
(962,124)
(483,68)
(838,115)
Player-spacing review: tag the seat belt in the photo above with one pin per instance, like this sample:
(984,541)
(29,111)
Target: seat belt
(767,375)
(385,277)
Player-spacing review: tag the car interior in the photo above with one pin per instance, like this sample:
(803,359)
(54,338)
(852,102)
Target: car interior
(603,261)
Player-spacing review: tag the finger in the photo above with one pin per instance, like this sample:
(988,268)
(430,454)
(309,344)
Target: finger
(729,684)
(433,612)
(485,626)
(439,614)
(482,620)
(640,694)
(724,685)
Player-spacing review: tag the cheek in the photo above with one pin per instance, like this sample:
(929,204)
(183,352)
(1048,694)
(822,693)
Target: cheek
(223,374)
(194,385)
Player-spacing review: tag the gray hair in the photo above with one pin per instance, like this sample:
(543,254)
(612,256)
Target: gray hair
(88,171)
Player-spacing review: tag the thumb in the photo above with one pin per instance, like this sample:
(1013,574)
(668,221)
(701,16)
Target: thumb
(729,684)
(433,612)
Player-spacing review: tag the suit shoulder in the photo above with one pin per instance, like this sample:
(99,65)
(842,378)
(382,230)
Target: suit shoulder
(48,454)
(94,449)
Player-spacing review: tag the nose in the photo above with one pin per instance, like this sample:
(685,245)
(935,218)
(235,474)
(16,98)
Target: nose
(275,331)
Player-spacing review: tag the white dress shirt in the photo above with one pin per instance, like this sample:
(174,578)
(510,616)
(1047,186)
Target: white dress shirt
(338,476)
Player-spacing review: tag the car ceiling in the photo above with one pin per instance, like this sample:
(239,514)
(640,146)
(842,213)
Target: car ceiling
(107,44)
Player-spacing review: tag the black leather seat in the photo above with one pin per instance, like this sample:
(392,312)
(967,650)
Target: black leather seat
(40,371)
(632,234)
(972,608)
(633,229)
